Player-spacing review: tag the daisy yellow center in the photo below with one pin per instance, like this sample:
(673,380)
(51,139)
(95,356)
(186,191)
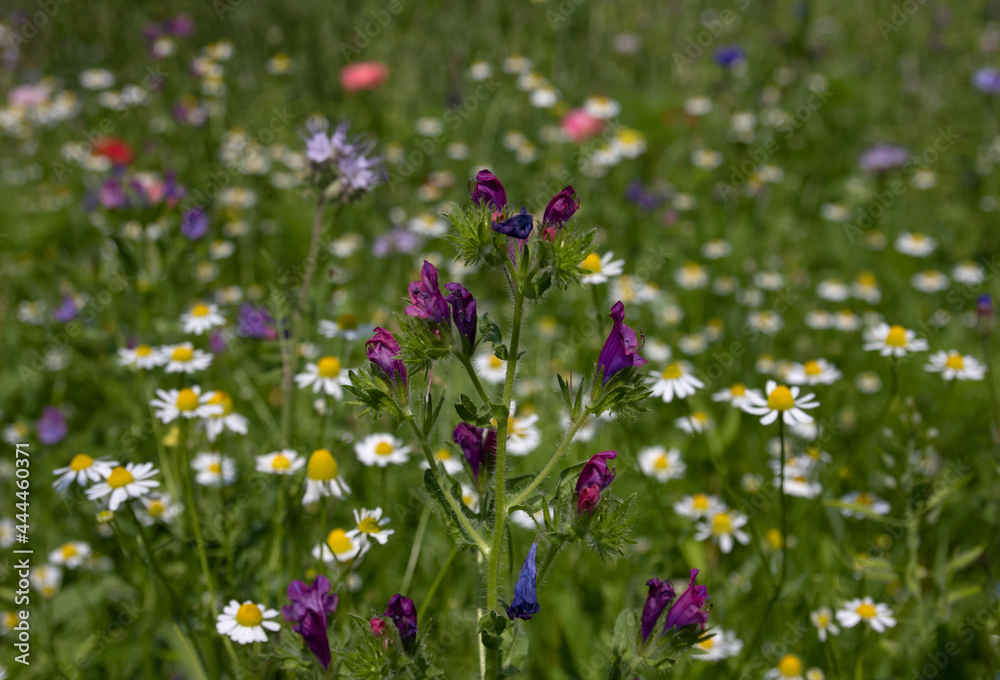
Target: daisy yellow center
(347,321)
(120,477)
(790,666)
(954,361)
(823,620)
(468,500)
(864,499)
(369,525)
(199,310)
(143,351)
(339,541)
(156,508)
(280,462)
(383,449)
(329,367)
(813,368)
(68,551)
(672,372)
(629,137)
(866,279)
(662,462)
(249,615)
(81,461)
(865,610)
(322,467)
(738,390)
(707,644)
(215,468)
(699,417)
(592,263)
(774,538)
(780,399)
(187,400)
(896,337)
(722,524)
(700,501)
(495,361)
(919,238)
(182,354)
(222,398)
(442,454)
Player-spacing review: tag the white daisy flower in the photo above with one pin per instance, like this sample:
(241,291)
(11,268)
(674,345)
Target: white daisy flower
(676,380)
(70,555)
(323,478)
(814,372)
(715,248)
(97,79)
(186,403)
(6,532)
(382,450)
(346,326)
(227,420)
(326,375)
(722,645)
(214,469)
(915,244)
(797,483)
(893,340)
(480,70)
(428,225)
(737,395)
(523,436)
(692,344)
(846,320)
(491,368)
(706,159)
(692,276)
(603,108)
(699,505)
(284,462)
(869,501)
(443,456)
(819,319)
(789,668)
(470,497)
(532,522)
(782,401)
(768,322)
(159,508)
(969,273)
(664,465)
(865,287)
(202,318)
(723,528)
(47,579)
(544,96)
(184,358)
(370,523)
(122,483)
(868,382)
(245,623)
(697,106)
(342,547)
(952,365)
(877,615)
(696,423)
(141,356)
(629,143)
(930,281)
(82,469)
(15,433)
(601,268)
(833,290)
(822,618)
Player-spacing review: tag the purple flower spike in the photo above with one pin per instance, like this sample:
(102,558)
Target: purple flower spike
(594,478)
(426,301)
(621,349)
(308,612)
(525,602)
(661,594)
(404,614)
(488,189)
(383,351)
(690,608)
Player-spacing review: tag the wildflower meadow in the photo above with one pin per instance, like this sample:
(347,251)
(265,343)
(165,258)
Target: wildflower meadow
(560,339)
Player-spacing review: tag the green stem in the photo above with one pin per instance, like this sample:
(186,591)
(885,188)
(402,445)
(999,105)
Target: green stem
(554,549)
(434,586)
(418,540)
(464,360)
(994,402)
(524,493)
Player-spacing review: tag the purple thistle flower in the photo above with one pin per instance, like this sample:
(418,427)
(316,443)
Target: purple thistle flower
(51,426)
(463,311)
(194,223)
(525,599)
(883,157)
(356,171)
(690,608)
(404,614)
(661,594)
(308,612)
(488,189)
(594,478)
(987,80)
(426,301)
(519,226)
(621,349)
(383,351)
(67,311)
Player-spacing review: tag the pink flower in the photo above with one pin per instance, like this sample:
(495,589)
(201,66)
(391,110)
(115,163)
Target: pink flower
(580,126)
(364,75)
(28,96)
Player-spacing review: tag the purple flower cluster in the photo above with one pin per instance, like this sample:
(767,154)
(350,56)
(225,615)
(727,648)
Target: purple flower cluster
(487,189)
(355,170)
(691,608)
(308,612)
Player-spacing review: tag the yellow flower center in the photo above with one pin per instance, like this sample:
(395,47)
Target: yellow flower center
(339,541)
(81,461)
(143,351)
(629,137)
(864,499)
(822,620)
(280,462)
(738,390)
(896,337)
(347,321)
(866,279)
(662,462)
(699,417)
(220,397)
(329,367)
(495,361)
(249,615)
(468,500)
(955,361)
(68,551)
(672,372)
(369,525)
(322,467)
(865,610)
(383,449)
(187,400)
(199,310)
(215,468)
(442,455)
(182,354)
(780,399)
(774,538)
(790,666)
(699,501)
(120,477)
(919,238)
(813,368)
(592,263)
(156,508)
(722,524)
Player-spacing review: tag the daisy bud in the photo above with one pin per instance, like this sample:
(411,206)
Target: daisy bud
(621,349)
(426,301)
(404,614)
(488,189)
(525,598)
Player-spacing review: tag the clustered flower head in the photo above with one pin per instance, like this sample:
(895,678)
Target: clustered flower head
(353,171)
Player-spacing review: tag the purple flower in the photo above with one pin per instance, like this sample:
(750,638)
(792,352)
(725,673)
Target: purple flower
(518,226)
(404,614)
(194,223)
(488,189)
(356,171)
(217,342)
(525,599)
(51,426)
(560,208)
(426,301)
(396,240)
(112,195)
(179,26)
(661,594)
(690,608)
(476,443)
(984,314)
(67,311)
(729,56)
(383,351)
(308,612)
(883,157)
(647,200)
(621,349)
(255,322)
(463,311)
(987,80)
(594,478)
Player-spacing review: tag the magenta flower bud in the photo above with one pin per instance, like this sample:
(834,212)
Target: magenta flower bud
(594,478)
(661,594)
(488,189)
(621,349)
(378,626)
(463,311)
(426,301)
(690,608)
(383,351)
(561,208)
(404,614)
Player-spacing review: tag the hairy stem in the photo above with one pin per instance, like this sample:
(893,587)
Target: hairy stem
(524,493)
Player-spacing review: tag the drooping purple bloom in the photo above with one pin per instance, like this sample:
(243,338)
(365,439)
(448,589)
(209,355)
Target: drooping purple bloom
(486,188)
(51,426)
(255,322)
(67,311)
(594,478)
(308,612)
(987,80)
(883,157)
(383,351)
(525,599)
(426,301)
(561,207)
(463,311)
(621,349)
(690,608)
(519,226)
(661,594)
(194,223)
(729,56)
(404,614)
(476,443)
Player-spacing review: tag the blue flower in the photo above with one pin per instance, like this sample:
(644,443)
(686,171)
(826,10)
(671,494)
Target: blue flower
(525,600)
(518,226)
